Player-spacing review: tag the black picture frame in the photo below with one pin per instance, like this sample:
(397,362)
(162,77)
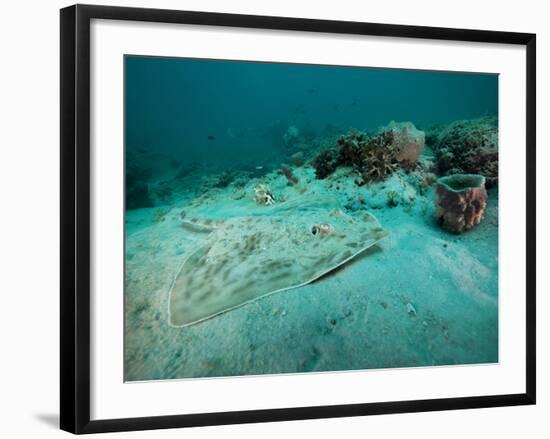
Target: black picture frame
(75,217)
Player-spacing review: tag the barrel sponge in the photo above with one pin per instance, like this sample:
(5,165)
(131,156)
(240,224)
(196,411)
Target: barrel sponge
(461,200)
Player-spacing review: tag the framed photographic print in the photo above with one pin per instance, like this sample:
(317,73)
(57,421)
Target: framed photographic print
(305,218)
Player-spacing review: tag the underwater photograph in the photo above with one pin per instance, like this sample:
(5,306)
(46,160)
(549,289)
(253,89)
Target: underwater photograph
(290,218)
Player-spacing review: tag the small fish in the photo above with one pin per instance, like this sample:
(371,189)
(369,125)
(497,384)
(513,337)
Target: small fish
(354,104)
(211,138)
(336,107)
(259,167)
(311,90)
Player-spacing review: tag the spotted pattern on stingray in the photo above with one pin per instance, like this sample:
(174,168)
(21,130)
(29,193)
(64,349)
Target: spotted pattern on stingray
(245,258)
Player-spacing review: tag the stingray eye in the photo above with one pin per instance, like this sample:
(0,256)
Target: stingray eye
(314,230)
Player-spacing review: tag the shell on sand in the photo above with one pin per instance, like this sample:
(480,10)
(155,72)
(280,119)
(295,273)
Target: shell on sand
(248,257)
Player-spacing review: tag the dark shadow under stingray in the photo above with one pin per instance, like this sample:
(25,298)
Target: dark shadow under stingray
(367,253)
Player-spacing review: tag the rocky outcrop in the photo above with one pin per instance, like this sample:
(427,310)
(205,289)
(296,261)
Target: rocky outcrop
(469,147)
(408,142)
(373,157)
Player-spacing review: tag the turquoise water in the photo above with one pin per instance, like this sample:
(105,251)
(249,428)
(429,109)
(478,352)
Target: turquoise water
(249,163)
(173,105)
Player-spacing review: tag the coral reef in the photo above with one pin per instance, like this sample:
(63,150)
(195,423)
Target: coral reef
(379,157)
(431,134)
(351,148)
(408,142)
(469,147)
(460,200)
(372,157)
(325,163)
(263,195)
(399,144)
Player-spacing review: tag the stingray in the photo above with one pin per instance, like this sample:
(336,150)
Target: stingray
(248,257)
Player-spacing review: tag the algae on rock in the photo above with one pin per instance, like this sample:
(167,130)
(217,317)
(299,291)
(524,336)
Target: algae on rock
(469,147)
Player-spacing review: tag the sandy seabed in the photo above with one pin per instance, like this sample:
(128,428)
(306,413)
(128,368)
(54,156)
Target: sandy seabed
(421,297)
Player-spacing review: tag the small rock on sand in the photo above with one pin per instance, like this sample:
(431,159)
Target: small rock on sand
(410,309)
